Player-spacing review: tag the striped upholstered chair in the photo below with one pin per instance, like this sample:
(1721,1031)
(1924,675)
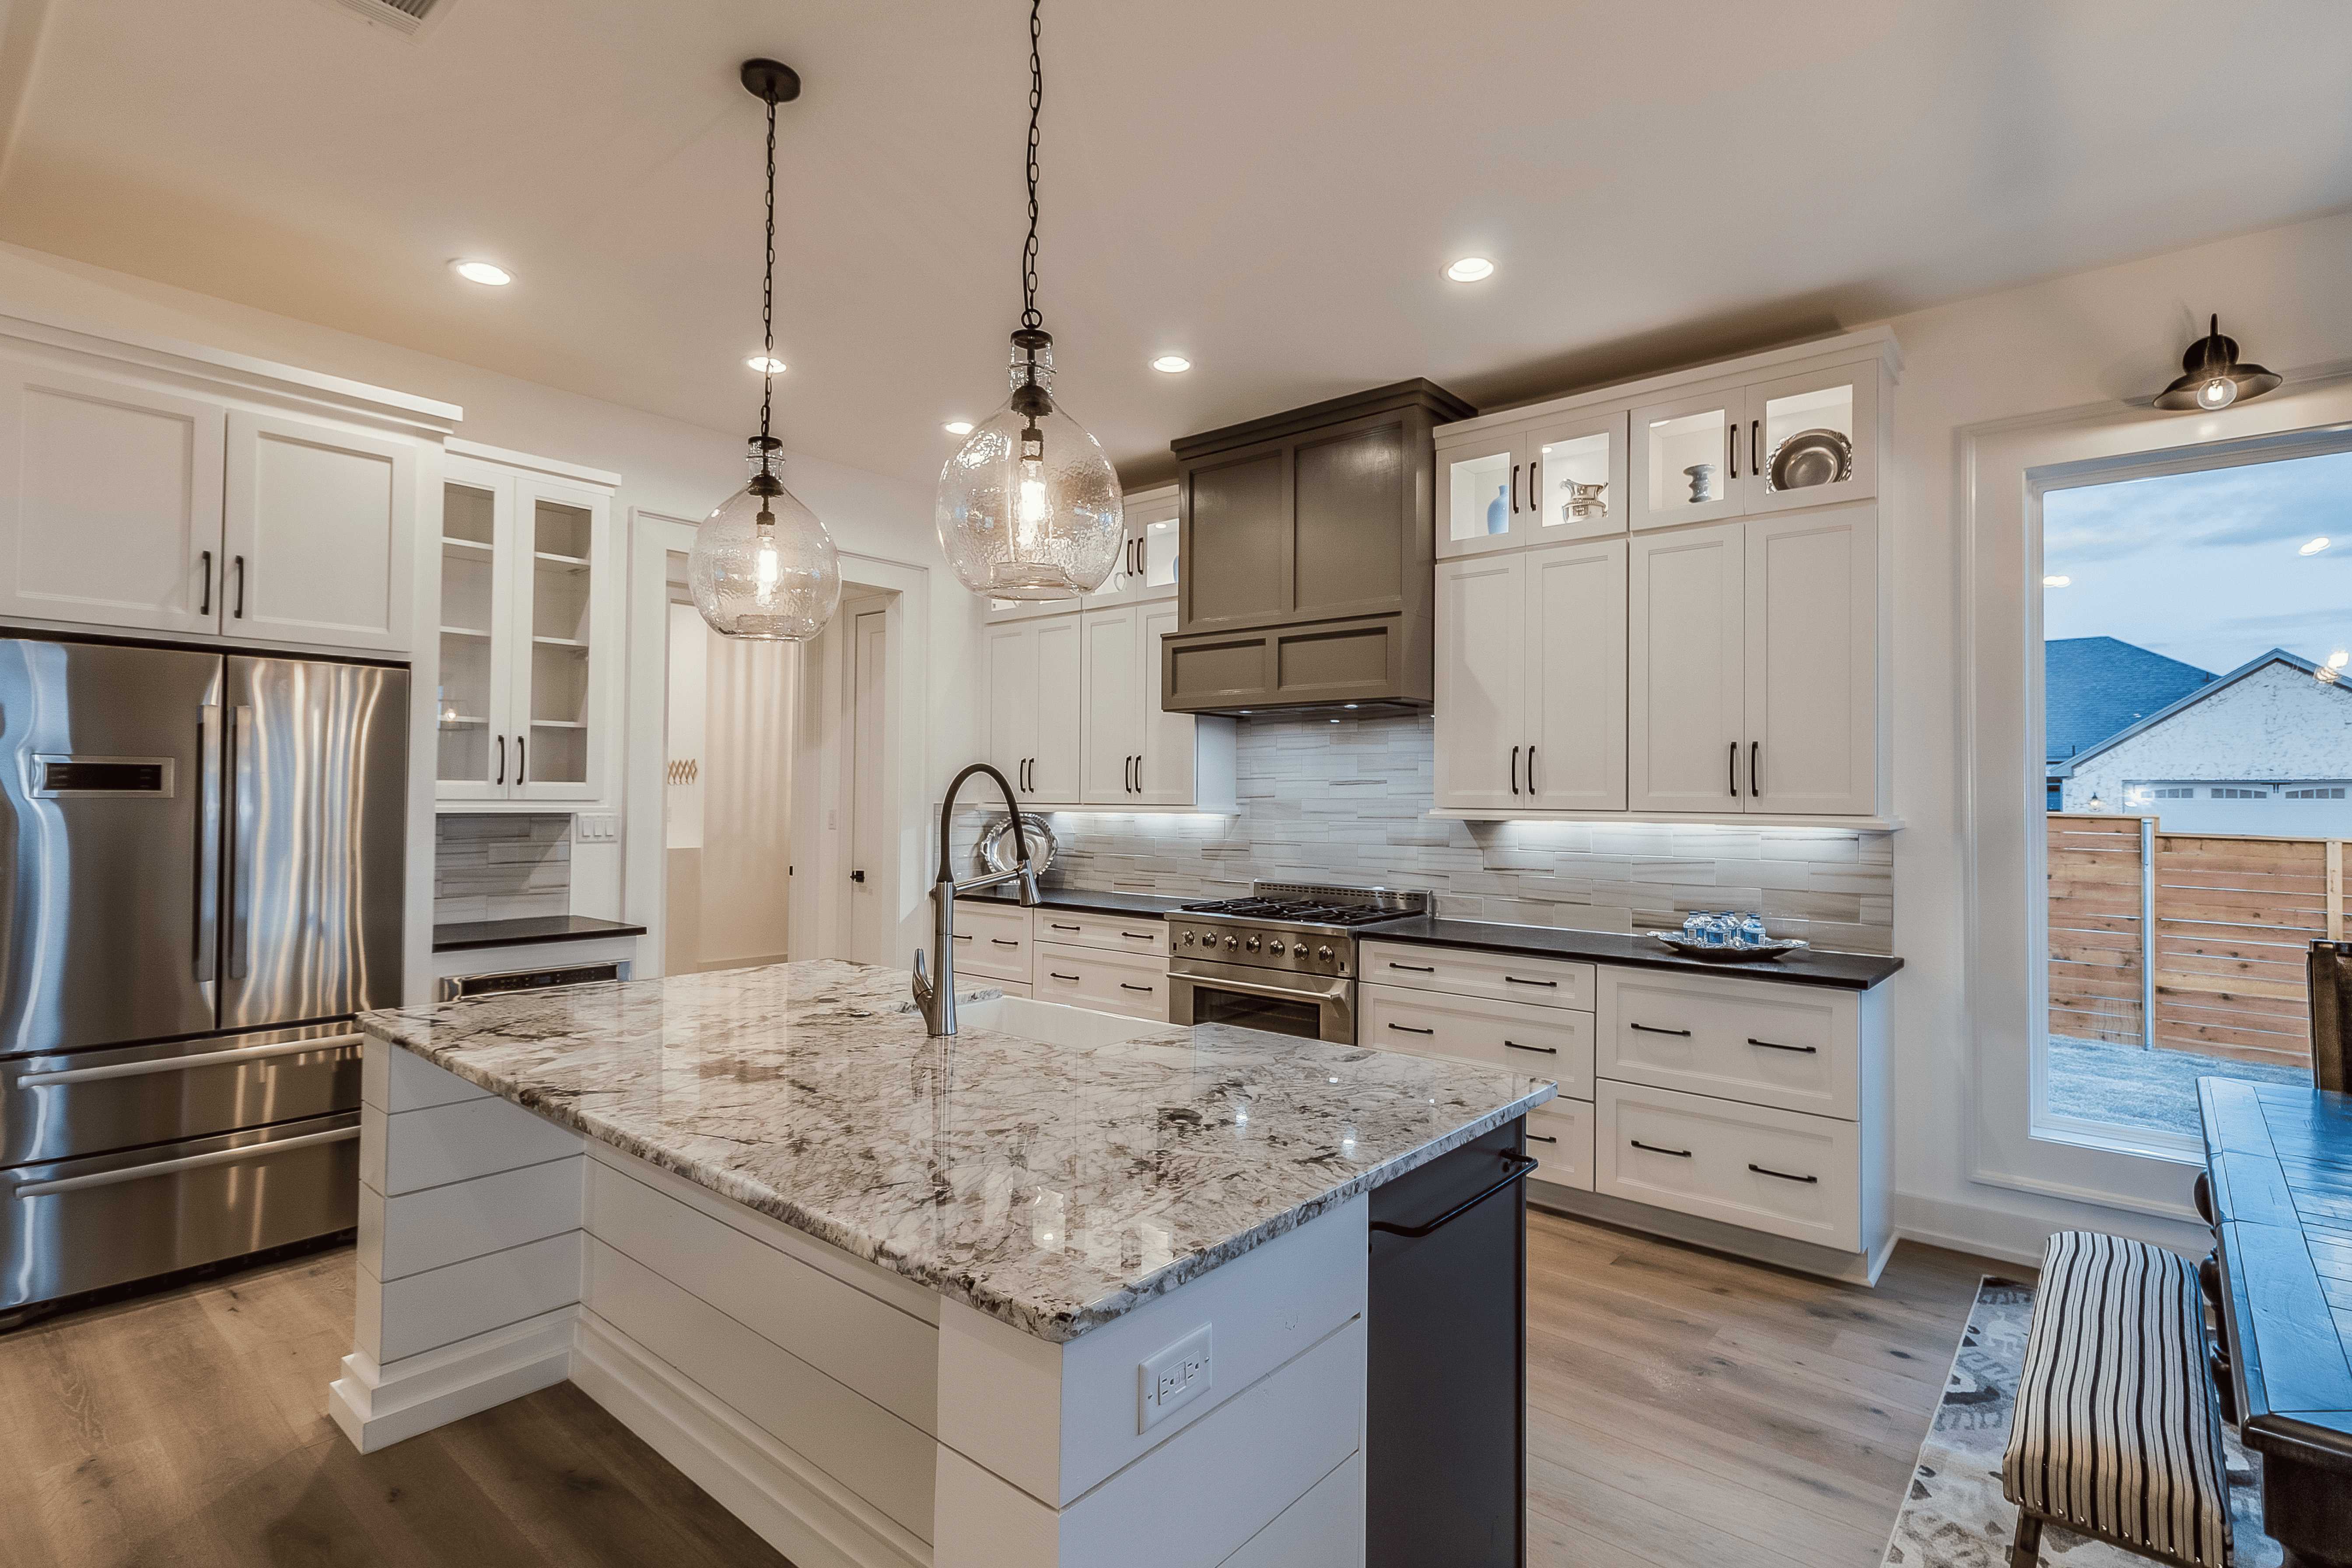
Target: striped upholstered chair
(2117,1433)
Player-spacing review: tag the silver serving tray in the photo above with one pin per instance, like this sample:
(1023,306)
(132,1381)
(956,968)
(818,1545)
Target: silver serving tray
(995,847)
(1811,457)
(1725,953)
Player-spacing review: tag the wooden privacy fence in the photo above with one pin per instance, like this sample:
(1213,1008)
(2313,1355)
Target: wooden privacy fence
(2206,931)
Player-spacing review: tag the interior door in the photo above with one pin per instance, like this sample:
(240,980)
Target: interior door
(110,839)
(1482,676)
(317,522)
(1812,661)
(1575,675)
(1061,711)
(1685,688)
(474,738)
(1013,700)
(110,502)
(1113,731)
(873,915)
(314,871)
(1169,759)
(1690,459)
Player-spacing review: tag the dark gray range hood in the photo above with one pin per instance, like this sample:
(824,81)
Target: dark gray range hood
(1308,544)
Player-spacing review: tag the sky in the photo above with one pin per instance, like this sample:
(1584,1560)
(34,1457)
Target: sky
(2206,567)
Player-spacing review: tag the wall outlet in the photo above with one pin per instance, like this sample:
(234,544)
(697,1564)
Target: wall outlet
(1174,1378)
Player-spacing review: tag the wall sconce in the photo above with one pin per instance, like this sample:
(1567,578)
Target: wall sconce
(2213,376)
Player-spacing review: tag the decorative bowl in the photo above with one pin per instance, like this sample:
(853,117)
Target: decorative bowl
(1725,952)
(995,847)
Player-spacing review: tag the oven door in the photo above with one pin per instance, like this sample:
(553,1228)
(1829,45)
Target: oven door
(1311,1007)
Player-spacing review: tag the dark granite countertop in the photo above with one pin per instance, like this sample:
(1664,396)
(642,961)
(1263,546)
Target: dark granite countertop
(460,935)
(1846,971)
(1088,900)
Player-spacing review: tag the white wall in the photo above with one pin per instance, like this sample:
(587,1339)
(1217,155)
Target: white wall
(2086,339)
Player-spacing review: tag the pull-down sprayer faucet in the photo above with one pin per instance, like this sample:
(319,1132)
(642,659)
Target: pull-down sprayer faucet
(935,989)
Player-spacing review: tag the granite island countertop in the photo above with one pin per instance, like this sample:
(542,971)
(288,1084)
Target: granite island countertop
(1053,1187)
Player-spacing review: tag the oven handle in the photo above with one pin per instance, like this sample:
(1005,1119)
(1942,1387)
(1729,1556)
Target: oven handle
(191,1063)
(190,1163)
(1256,988)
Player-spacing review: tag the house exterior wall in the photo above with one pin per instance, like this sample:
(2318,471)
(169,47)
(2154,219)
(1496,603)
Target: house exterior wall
(2276,724)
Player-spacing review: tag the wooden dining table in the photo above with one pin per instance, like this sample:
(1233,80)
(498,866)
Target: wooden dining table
(2278,1193)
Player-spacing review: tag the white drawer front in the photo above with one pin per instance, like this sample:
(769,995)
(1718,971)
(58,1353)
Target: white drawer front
(1145,934)
(993,940)
(1794,1047)
(1777,1171)
(1543,982)
(1544,1042)
(1106,981)
(1567,1160)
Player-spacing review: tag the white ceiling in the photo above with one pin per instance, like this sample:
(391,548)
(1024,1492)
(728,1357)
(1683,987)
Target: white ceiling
(1270,187)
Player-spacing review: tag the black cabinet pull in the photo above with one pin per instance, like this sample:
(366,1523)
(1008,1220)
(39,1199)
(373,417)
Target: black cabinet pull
(857,876)
(1515,490)
(1123,985)
(1755,447)
(1531,770)
(1731,445)
(239,614)
(1547,1051)
(1139,935)
(963,936)
(1755,751)
(1514,770)
(1056,925)
(1533,505)
(1732,769)
(1051,974)
(1409,1029)
(1646,1030)
(1520,1165)
(1005,941)
(1416,968)
(1540,1138)
(522,764)
(1653,1148)
(502,759)
(1515,980)
(1767,1171)
(1777,1046)
(206,607)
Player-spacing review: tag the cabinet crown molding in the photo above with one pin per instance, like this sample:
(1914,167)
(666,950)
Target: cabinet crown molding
(1419,393)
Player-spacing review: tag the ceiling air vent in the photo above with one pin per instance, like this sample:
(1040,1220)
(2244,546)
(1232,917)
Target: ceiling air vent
(406,16)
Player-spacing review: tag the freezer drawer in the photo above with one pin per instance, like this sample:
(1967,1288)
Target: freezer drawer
(73,1226)
(57,1107)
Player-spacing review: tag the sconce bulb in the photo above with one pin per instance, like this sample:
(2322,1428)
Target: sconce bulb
(2218,393)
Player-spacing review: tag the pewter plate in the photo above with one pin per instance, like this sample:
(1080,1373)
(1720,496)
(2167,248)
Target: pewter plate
(1811,457)
(1726,953)
(995,848)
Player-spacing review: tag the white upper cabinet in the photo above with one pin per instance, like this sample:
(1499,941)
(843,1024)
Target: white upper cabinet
(1035,719)
(1481,699)
(1147,562)
(529,625)
(318,524)
(110,502)
(1812,699)
(1575,675)
(1113,740)
(1013,701)
(1686,687)
(1690,456)
(1813,439)
(1560,478)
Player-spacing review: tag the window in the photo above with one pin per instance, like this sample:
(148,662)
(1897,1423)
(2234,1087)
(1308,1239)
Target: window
(2181,792)
(2228,792)
(2332,792)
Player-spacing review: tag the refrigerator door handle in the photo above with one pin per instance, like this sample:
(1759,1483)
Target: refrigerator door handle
(187,1162)
(209,842)
(191,1063)
(240,873)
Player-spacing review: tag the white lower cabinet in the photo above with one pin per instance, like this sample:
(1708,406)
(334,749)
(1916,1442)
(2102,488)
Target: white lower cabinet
(1780,1172)
(1792,1046)
(1544,1042)
(1105,981)
(993,940)
(1145,934)
(1559,1140)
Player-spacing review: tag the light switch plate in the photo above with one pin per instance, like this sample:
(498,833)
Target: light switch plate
(1172,1378)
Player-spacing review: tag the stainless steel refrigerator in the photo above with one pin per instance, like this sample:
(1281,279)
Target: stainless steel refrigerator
(203,882)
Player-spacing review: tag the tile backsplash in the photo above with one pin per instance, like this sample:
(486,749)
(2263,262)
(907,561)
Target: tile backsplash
(495,867)
(1347,803)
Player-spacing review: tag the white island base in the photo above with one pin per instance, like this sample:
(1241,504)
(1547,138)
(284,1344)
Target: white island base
(846,1413)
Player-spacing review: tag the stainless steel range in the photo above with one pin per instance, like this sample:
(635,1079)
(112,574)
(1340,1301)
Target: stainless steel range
(1283,960)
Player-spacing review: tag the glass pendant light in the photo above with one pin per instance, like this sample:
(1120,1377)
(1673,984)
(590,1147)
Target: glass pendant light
(764,567)
(2213,376)
(1029,507)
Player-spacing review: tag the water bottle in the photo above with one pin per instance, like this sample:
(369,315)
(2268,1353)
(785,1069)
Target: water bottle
(1751,930)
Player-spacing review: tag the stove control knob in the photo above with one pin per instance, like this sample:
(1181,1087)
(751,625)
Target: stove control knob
(1231,942)
(1324,953)
(1251,944)
(1274,949)
(1188,939)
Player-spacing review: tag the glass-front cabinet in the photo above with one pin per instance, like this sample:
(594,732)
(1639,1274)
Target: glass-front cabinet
(1147,568)
(1772,446)
(528,634)
(1533,484)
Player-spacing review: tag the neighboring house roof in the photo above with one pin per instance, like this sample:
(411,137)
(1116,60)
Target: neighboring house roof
(2095,688)
(2326,679)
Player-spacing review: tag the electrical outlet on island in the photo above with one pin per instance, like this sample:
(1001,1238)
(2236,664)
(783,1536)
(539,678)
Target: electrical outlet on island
(1174,1378)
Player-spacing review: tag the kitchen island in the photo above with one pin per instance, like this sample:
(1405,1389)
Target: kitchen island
(1063,1289)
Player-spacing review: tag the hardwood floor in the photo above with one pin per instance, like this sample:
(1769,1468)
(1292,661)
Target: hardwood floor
(1686,1411)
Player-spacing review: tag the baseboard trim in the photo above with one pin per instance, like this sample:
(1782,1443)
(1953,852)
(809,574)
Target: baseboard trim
(377,1406)
(788,1502)
(1733,1241)
(2008,1234)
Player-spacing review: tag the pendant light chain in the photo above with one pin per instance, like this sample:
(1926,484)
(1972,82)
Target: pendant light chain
(1029,316)
(768,303)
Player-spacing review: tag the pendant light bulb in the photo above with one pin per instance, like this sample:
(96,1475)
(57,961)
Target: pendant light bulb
(1029,508)
(763,566)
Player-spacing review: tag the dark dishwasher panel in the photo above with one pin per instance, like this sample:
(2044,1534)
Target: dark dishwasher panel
(1445,1446)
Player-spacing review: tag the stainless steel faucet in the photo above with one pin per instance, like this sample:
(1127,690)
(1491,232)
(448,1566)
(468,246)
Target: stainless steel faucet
(935,989)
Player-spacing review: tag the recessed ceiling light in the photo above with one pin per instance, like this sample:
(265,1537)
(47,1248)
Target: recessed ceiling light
(765,366)
(488,272)
(1470,269)
(2057,582)
(958,426)
(2315,547)
(1171,365)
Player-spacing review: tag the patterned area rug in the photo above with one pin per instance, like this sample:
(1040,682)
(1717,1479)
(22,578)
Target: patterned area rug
(1956,1516)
